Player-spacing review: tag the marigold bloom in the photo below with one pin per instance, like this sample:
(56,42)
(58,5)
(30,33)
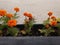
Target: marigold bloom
(16,9)
(53,17)
(53,23)
(12,23)
(26,14)
(3,12)
(50,13)
(9,15)
(30,15)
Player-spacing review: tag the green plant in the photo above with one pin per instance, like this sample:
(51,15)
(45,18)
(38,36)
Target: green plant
(8,21)
(29,22)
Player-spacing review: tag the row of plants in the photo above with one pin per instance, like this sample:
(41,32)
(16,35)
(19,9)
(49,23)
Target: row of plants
(8,23)
(51,26)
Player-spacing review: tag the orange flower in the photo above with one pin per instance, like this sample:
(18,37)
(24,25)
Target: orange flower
(53,23)
(12,23)
(16,9)
(50,13)
(3,12)
(26,14)
(30,15)
(53,17)
(9,15)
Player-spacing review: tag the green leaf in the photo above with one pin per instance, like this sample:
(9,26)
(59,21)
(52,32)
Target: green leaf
(46,31)
(13,31)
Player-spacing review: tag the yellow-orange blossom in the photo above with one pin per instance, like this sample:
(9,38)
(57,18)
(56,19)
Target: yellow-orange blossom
(3,12)
(9,15)
(16,9)
(12,23)
(28,14)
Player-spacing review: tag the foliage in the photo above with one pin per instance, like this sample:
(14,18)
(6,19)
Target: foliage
(46,31)
(13,31)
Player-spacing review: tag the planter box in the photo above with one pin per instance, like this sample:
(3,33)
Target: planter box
(33,32)
(30,40)
(35,29)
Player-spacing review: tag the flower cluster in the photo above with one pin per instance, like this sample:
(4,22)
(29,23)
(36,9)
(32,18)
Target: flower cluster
(28,15)
(8,18)
(52,19)
(8,21)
